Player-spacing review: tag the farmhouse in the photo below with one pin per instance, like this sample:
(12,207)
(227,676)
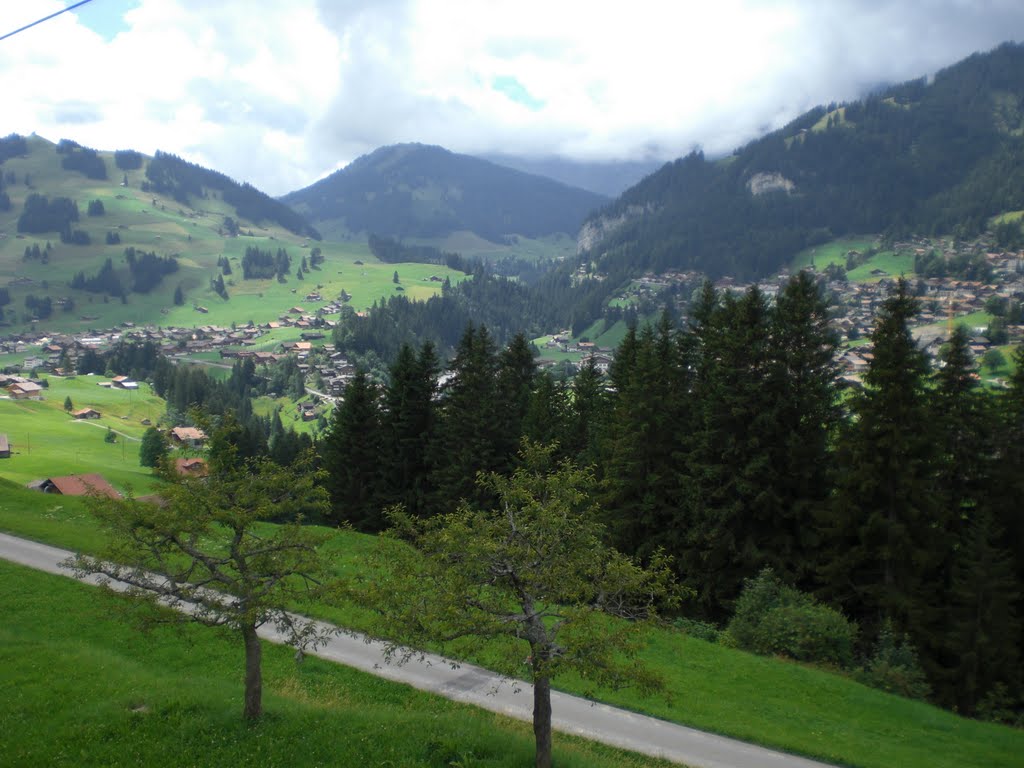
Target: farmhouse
(79,485)
(5,447)
(194,467)
(25,390)
(188,436)
(86,413)
(123,382)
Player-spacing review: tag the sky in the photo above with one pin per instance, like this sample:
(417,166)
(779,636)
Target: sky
(280,93)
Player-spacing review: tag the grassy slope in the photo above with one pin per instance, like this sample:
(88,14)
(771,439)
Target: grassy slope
(833,252)
(191,233)
(773,702)
(80,688)
(46,441)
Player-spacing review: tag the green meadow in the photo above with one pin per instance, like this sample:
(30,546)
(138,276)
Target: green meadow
(774,702)
(193,234)
(46,441)
(833,252)
(82,688)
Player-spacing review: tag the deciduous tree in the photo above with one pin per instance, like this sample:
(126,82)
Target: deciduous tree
(533,571)
(207,551)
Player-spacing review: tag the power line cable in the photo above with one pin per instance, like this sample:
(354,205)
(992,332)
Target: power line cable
(46,18)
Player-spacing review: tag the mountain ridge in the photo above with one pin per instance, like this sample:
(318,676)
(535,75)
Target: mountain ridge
(426,191)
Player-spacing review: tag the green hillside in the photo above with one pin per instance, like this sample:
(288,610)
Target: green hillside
(197,234)
(930,156)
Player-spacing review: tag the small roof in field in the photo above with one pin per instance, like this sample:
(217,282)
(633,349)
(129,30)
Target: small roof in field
(83,485)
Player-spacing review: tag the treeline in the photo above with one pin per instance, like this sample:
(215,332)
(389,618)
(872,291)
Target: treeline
(934,158)
(128,159)
(148,269)
(725,444)
(390,251)
(12,145)
(170,175)
(263,265)
(962,266)
(81,159)
(505,305)
(105,281)
(44,215)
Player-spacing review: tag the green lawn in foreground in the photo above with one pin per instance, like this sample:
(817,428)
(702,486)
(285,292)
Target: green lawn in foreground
(81,688)
(769,701)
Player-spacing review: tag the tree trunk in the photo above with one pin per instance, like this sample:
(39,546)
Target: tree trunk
(542,720)
(253,674)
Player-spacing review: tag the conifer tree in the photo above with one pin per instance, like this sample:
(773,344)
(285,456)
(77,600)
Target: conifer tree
(879,549)
(515,379)
(468,440)
(803,384)
(351,457)
(408,428)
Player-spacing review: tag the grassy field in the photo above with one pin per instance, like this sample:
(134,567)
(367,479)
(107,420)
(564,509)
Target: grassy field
(46,441)
(830,253)
(83,689)
(161,224)
(893,264)
(769,701)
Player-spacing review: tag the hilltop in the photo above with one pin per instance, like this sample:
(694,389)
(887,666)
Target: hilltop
(427,192)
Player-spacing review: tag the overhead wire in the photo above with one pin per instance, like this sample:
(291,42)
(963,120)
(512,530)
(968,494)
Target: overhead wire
(45,18)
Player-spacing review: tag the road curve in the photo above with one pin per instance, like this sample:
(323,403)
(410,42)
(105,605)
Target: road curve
(480,687)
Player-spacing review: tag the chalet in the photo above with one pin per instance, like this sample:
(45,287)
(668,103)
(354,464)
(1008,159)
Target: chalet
(86,413)
(25,390)
(123,382)
(193,467)
(5,447)
(79,485)
(188,436)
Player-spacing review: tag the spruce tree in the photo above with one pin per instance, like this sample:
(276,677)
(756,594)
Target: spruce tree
(468,441)
(803,384)
(879,553)
(733,500)
(516,373)
(408,428)
(351,457)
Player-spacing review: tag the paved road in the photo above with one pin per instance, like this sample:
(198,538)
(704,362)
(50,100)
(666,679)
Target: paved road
(473,685)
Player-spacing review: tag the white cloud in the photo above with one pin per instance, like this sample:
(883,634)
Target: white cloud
(279,94)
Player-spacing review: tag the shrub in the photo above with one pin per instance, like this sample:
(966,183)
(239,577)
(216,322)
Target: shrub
(773,618)
(702,630)
(893,666)
(808,632)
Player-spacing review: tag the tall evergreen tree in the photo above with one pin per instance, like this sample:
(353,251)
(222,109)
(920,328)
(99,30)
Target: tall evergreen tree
(803,385)
(351,457)
(586,415)
(734,499)
(408,428)
(879,549)
(468,440)
(516,373)
(985,629)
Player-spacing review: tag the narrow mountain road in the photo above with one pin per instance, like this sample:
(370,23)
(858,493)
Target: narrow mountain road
(473,685)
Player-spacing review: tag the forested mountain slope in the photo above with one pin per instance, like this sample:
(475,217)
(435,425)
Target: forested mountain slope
(415,190)
(932,157)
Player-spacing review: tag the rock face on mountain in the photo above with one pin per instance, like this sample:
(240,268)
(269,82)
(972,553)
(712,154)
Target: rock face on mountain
(414,190)
(934,156)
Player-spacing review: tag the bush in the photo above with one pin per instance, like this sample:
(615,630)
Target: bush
(701,630)
(893,666)
(809,632)
(776,619)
